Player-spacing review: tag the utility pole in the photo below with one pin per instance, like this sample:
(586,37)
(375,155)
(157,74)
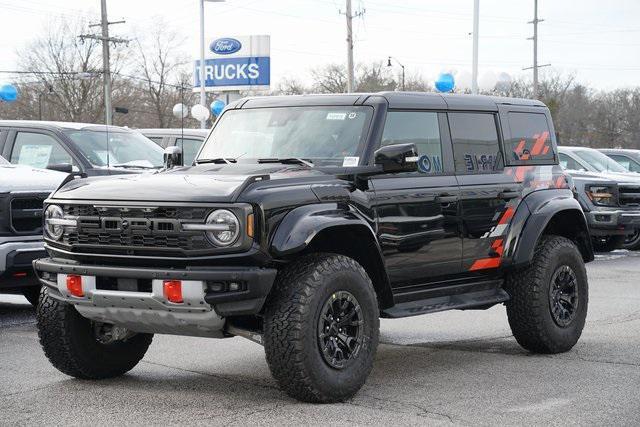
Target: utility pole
(350,16)
(106,70)
(476,25)
(535,49)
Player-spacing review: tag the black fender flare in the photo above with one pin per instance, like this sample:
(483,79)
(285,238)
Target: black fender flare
(301,225)
(531,219)
(298,228)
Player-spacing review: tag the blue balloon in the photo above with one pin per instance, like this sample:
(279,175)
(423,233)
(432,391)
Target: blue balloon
(445,83)
(217,106)
(8,93)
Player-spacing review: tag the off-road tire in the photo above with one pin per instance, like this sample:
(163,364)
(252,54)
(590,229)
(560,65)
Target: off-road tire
(608,244)
(70,344)
(32,294)
(291,321)
(529,309)
(632,242)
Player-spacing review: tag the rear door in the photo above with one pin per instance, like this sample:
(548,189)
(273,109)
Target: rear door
(485,189)
(417,212)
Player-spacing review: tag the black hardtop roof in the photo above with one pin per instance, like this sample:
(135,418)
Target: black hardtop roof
(444,101)
(52,125)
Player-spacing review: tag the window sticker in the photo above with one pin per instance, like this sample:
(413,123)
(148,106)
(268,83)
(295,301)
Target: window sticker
(35,155)
(350,161)
(353,115)
(336,116)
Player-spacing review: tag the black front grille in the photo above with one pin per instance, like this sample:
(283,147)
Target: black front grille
(26,213)
(629,195)
(132,230)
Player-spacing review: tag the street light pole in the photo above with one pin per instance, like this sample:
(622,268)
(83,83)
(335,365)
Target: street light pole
(476,35)
(203,95)
(401,66)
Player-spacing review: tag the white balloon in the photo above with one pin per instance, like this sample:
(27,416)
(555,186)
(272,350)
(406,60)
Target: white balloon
(488,81)
(180,111)
(463,80)
(200,112)
(504,81)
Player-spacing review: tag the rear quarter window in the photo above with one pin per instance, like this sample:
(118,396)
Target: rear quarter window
(530,139)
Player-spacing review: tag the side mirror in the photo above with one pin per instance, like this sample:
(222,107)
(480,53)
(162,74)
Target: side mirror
(61,167)
(397,158)
(172,157)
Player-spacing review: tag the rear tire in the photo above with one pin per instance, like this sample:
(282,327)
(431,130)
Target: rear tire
(549,298)
(70,343)
(315,355)
(608,243)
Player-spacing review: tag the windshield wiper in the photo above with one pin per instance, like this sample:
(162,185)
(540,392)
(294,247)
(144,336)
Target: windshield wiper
(227,160)
(126,166)
(288,161)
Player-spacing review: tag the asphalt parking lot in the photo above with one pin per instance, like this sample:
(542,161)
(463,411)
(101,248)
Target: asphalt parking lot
(453,367)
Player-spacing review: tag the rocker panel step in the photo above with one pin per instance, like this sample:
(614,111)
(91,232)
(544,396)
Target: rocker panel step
(451,302)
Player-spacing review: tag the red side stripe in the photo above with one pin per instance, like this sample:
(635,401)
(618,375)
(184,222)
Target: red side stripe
(483,263)
(506,216)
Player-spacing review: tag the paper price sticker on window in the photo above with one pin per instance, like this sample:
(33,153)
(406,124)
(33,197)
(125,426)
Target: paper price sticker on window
(350,161)
(336,116)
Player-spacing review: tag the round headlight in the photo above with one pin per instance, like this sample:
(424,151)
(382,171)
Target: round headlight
(228,230)
(53,212)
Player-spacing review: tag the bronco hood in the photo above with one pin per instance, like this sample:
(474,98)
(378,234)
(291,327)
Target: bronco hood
(203,183)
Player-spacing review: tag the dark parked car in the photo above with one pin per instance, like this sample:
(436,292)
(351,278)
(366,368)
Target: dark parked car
(305,220)
(22,191)
(85,149)
(189,140)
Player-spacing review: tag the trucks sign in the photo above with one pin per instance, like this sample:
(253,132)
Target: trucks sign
(235,63)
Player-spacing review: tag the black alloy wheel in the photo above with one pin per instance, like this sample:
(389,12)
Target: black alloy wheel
(340,329)
(563,296)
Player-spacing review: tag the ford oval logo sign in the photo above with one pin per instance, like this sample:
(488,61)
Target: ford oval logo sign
(225,46)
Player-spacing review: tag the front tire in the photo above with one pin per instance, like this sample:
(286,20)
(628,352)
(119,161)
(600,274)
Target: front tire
(32,294)
(73,346)
(321,328)
(549,298)
(632,242)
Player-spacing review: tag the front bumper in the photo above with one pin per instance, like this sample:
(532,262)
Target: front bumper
(613,222)
(133,297)
(16,255)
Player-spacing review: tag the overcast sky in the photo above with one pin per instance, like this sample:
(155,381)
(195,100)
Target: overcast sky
(598,41)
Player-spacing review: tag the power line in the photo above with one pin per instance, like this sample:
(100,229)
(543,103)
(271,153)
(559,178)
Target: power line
(106,71)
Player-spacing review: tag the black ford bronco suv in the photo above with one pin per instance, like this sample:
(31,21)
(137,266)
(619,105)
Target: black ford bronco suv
(304,220)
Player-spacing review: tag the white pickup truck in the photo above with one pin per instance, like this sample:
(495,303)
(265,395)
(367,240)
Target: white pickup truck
(22,191)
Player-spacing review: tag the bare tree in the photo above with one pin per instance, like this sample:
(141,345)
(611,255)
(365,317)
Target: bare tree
(159,61)
(69,70)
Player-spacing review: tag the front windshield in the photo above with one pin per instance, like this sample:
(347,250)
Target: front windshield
(329,136)
(122,149)
(600,162)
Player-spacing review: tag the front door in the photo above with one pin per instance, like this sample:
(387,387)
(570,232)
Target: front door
(417,212)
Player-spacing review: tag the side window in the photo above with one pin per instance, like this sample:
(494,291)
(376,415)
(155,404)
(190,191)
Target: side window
(568,163)
(420,128)
(156,139)
(530,137)
(627,162)
(190,148)
(476,148)
(38,150)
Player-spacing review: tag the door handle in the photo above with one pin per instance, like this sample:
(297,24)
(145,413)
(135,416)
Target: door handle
(508,194)
(446,198)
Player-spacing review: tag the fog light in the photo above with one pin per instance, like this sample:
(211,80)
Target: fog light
(172,290)
(74,285)
(216,287)
(235,286)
